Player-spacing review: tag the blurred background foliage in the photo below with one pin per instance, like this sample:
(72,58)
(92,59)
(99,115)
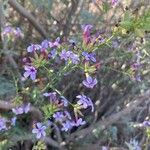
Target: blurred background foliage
(128,22)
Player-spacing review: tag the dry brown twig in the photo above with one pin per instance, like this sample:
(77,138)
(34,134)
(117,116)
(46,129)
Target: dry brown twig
(21,10)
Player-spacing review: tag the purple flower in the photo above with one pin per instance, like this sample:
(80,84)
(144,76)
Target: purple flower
(67,114)
(54,44)
(12,31)
(59,116)
(21,109)
(18,32)
(79,122)
(64,54)
(85,101)
(67,125)
(113,2)
(104,148)
(13,121)
(33,47)
(69,55)
(135,144)
(18,110)
(138,77)
(39,130)
(146,123)
(2,124)
(44,45)
(7,30)
(49,123)
(74,58)
(64,100)
(90,82)
(52,54)
(51,95)
(135,66)
(26,108)
(89,56)
(30,71)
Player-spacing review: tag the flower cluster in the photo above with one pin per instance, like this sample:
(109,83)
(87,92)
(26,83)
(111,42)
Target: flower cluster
(45,63)
(135,144)
(5,124)
(63,117)
(69,55)
(12,32)
(39,130)
(2,124)
(85,101)
(21,109)
(44,56)
(146,123)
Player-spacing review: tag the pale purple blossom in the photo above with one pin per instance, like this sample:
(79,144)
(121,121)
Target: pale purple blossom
(13,121)
(146,123)
(30,71)
(21,109)
(7,30)
(138,77)
(12,31)
(89,56)
(59,116)
(44,45)
(51,95)
(74,58)
(67,125)
(90,82)
(17,110)
(114,2)
(18,32)
(26,108)
(52,53)
(39,130)
(55,44)
(64,101)
(79,122)
(67,114)
(33,47)
(2,124)
(64,54)
(135,144)
(85,101)
(104,148)
(135,66)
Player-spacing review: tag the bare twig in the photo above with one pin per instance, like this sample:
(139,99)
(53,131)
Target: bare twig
(21,10)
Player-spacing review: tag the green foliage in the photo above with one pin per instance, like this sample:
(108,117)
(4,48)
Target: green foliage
(135,23)
(39,146)
(49,110)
